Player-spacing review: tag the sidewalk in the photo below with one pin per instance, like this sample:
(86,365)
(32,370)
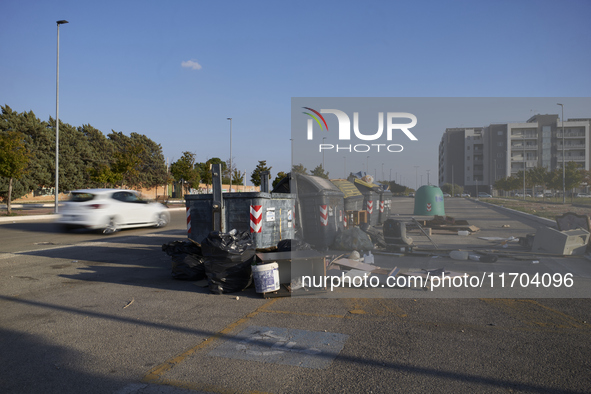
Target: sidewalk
(45,211)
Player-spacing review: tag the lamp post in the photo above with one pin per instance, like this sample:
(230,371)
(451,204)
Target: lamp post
(57,117)
(230,119)
(563,164)
(416,178)
(367,165)
(382,171)
(323,138)
(428,183)
(523,131)
(345,168)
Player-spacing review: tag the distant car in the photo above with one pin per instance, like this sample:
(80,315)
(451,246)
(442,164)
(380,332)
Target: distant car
(466,195)
(411,194)
(521,195)
(109,210)
(446,195)
(583,195)
(484,195)
(539,195)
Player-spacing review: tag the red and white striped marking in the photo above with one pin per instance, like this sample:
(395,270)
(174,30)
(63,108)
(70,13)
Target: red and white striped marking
(188,220)
(346,221)
(428,207)
(324,215)
(256,218)
(381,206)
(370,206)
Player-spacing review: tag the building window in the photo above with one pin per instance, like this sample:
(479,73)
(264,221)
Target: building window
(468,168)
(467,157)
(499,133)
(468,148)
(499,143)
(499,155)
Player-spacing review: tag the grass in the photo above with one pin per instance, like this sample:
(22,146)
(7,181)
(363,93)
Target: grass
(547,208)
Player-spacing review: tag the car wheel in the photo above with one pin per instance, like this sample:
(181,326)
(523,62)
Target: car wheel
(111,227)
(162,219)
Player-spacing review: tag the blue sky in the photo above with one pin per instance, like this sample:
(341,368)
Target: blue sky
(121,64)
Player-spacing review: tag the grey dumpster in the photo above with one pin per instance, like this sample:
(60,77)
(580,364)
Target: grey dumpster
(321,208)
(385,204)
(370,199)
(268,216)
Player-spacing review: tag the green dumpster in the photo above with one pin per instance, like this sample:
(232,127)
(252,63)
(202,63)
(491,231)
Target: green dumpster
(429,201)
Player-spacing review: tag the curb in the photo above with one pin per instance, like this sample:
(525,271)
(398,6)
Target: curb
(538,219)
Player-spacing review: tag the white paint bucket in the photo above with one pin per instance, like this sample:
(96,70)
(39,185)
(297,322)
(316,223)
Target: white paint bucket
(266,277)
(463,233)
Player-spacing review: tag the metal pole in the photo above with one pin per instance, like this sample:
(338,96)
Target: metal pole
(323,138)
(563,158)
(230,119)
(345,168)
(523,132)
(428,183)
(57,117)
(367,165)
(416,177)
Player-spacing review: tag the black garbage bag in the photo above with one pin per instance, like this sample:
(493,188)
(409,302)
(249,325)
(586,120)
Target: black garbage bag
(228,257)
(187,260)
(287,245)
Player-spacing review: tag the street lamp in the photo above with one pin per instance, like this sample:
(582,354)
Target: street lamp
(323,138)
(563,166)
(57,117)
(230,119)
(417,178)
(428,183)
(367,166)
(523,131)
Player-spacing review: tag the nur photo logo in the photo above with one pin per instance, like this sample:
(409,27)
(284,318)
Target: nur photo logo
(391,119)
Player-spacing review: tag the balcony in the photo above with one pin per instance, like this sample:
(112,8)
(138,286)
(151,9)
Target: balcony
(571,134)
(527,147)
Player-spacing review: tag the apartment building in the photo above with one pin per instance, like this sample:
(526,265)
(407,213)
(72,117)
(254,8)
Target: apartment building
(475,157)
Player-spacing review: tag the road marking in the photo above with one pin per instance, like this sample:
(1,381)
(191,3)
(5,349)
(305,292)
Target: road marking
(156,373)
(280,345)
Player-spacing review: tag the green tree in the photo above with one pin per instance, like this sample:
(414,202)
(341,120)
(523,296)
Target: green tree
(186,170)
(255,177)
(319,171)
(13,160)
(279,178)
(128,159)
(40,142)
(452,189)
(238,177)
(299,169)
(538,176)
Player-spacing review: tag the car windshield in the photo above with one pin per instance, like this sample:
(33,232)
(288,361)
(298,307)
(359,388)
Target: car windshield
(81,197)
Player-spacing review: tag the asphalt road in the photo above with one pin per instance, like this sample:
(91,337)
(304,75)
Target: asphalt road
(81,312)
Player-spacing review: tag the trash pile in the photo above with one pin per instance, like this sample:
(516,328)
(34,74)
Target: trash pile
(224,258)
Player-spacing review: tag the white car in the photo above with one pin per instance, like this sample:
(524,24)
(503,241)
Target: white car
(110,210)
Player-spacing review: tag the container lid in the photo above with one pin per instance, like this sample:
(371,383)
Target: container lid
(347,187)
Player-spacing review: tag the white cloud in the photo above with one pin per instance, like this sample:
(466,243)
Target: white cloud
(192,64)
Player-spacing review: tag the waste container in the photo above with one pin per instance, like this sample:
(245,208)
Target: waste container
(353,197)
(429,201)
(385,204)
(371,195)
(320,208)
(269,217)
